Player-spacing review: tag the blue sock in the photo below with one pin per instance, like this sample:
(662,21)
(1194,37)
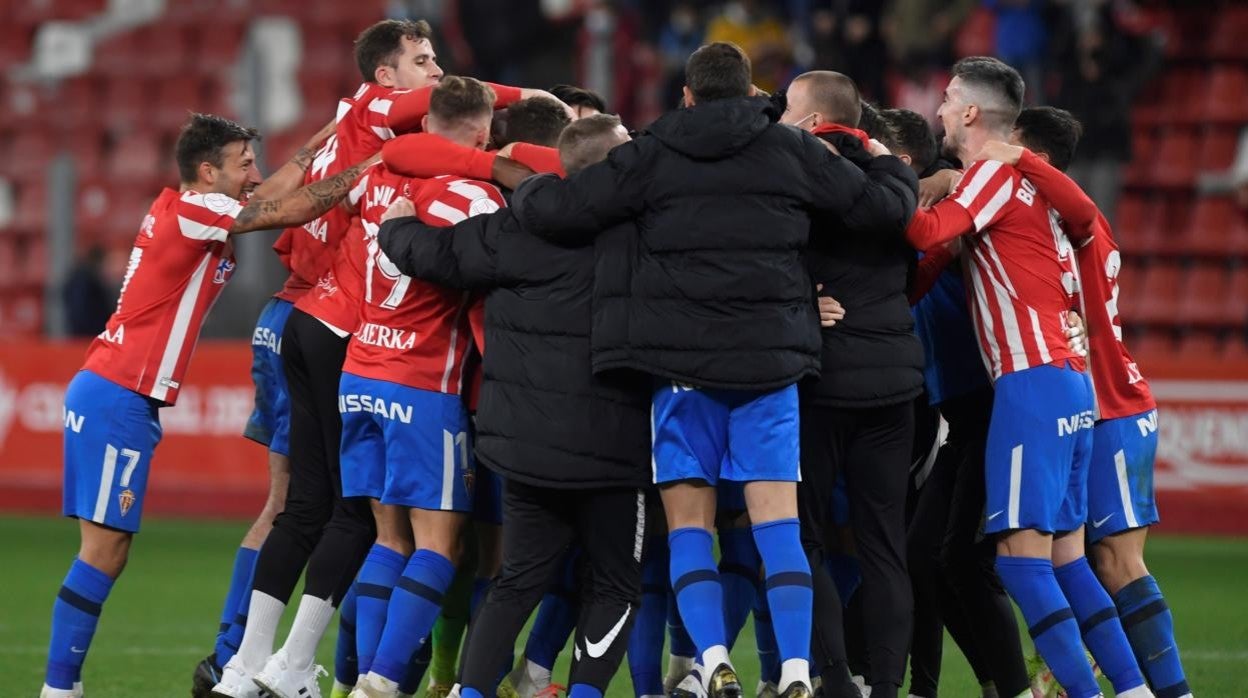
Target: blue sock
(1099,624)
(416,668)
(765,638)
(738,575)
(1150,629)
(240,586)
(346,664)
(1034,588)
(75,614)
(413,609)
(374,586)
(466,692)
(555,621)
(584,690)
(695,580)
(789,591)
(645,642)
(679,642)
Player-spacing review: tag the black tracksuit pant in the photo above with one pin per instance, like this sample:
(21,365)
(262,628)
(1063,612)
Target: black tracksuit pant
(870,448)
(318,528)
(539,524)
(952,564)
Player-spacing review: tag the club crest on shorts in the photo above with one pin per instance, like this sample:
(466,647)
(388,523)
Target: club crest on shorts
(125,500)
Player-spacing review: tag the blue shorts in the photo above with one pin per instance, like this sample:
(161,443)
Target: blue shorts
(740,435)
(110,434)
(1039,448)
(270,419)
(1120,478)
(405,446)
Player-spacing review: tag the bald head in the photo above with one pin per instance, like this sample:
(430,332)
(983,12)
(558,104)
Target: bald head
(822,96)
(588,140)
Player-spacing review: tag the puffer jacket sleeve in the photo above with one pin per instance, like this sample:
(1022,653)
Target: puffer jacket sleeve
(463,256)
(879,198)
(572,211)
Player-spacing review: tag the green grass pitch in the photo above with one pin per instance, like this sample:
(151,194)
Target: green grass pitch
(162,616)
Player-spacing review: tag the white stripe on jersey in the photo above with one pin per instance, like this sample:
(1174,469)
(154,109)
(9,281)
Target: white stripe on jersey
(982,175)
(381,106)
(382,132)
(1005,305)
(1045,356)
(450,351)
(1124,489)
(177,333)
(978,310)
(106,484)
(357,192)
(199,231)
(996,261)
(995,204)
(446,212)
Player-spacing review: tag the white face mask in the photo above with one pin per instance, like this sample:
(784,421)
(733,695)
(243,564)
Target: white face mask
(799,122)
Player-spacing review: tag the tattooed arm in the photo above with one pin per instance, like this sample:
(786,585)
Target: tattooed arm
(300,206)
(289,177)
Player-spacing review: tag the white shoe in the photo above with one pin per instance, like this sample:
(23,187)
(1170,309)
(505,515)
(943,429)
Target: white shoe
(236,681)
(767,689)
(863,688)
(49,692)
(284,681)
(678,668)
(690,686)
(375,686)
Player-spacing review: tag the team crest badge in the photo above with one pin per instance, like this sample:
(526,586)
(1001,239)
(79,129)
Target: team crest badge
(125,500)
(225,269)
(470,480)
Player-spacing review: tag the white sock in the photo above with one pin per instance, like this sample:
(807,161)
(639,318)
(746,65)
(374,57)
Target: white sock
(382,683)
(537,675)
(793,670)
(1140,691)
(311,620)
(263,614)
(711,659)
(678,667)
(340,686)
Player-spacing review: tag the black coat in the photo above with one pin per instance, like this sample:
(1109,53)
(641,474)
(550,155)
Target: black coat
(543,418)
(871,358)
(716,293)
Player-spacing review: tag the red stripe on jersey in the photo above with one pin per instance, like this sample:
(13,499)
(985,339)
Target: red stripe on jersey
(412,332)
(178,267)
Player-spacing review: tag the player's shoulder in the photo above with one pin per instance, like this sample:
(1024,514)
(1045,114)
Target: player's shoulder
(210,205)
(986,178)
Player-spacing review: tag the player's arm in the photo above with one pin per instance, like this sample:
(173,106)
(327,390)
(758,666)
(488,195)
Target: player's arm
(539,158)
(980,199)
(425,155)
(929,269)
(300,206)
(290,176)
(1077,210)
(933,227)
(408,109)
(462,256)
(574,210)
(877,198)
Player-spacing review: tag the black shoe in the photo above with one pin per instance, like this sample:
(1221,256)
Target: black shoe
(205,677)
(725,684)
(797,689)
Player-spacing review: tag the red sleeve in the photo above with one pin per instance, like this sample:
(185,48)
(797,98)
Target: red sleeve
(407,110)
(932,227)
(425,155)
(1078,211)
(930,268)
(505,95)
(538,158)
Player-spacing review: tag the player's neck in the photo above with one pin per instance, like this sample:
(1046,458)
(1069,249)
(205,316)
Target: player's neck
(975,140)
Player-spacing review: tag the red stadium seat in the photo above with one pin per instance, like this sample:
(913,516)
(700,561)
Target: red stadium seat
(977,37)
(1139,226)
(31,215)
(15,43)
(1217,148)
(34,261)
(21,314)
(77,102)
(170,46)
(1175,163)
(223,52)
(1229,29)
(1172,99)
(1203,296)
(135,158)
(1152,344)
(120,56)
(86,145)
(1200,347)
(177,98)
(126,212)
(1217,228)
(1236,309)
(127,104)
(1161,287)
(9,270)
(1226,98)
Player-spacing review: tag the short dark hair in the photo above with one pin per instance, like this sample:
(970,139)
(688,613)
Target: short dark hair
(718,71)
(914,137)
(1052,131)
(584,141)
(1002,81)
(574,97)
(835,95)
(203,139)
(381,43)
(536,120)
(456,99)
(875,126)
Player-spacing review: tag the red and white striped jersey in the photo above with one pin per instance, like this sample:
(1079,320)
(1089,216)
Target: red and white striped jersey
(1018,262)
(181,260)
(308,250)
(335,299)
(412,332)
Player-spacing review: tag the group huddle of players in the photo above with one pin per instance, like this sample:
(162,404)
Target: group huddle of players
(369,362)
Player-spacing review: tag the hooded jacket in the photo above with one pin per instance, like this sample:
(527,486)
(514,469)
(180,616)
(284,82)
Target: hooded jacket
(713,291)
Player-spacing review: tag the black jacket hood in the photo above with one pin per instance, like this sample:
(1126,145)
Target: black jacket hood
(715,130)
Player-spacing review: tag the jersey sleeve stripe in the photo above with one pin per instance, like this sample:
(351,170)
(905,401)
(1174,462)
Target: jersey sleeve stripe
(383,132)
(976,184)
(380,106)
(357,192)
(199,231)
(446,212)
(998,201)
(178,332)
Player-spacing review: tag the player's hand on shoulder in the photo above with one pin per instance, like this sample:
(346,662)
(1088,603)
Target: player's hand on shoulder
(402,207)
(1002,152)
(937,187)
(830,311)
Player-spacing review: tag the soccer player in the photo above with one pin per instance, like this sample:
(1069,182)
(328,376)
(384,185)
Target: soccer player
(1021,269)
(405,438)
(718,308)
(181,260)
(1121,506)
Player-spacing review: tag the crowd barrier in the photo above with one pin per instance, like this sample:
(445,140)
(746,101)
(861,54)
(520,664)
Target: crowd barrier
(205,468)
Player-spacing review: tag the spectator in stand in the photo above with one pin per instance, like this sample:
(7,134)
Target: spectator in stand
(679,38)
(88,296)
(1022,39)
(763,37)
(1102,67)
(846,37)
(919,35)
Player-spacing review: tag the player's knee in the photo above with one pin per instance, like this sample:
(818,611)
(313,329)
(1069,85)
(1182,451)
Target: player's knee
(107,553)
(1117,562)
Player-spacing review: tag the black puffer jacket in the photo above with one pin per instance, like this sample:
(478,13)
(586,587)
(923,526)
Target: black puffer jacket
(543,418)
(717,293)
(872,357)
